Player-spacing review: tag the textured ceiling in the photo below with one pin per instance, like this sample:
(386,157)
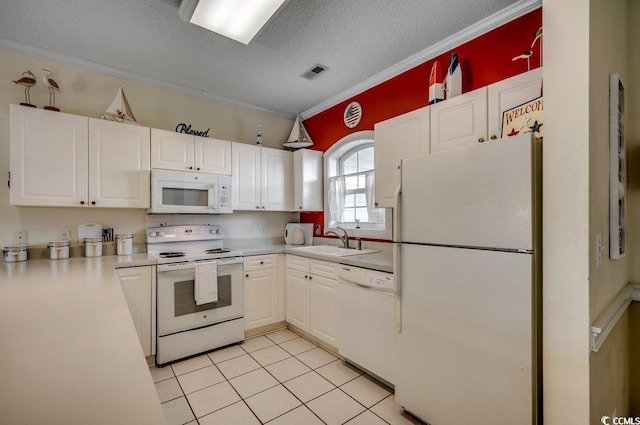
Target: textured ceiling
(356,39)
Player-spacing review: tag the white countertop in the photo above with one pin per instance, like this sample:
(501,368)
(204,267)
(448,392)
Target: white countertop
(69,353)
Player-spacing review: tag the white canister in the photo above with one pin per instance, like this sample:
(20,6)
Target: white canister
(12,254)
(58,250)
(93,247)
(124,244)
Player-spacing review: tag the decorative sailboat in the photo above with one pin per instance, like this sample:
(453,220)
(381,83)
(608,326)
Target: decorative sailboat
(299,138)
(119,110)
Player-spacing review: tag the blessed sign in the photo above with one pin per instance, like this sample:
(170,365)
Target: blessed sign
(526,118)
(186,128)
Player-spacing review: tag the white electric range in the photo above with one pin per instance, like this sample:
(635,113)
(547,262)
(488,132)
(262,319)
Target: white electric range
(185,328)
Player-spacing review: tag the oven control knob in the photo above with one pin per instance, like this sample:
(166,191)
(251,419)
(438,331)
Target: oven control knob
(153,234)
(160,233)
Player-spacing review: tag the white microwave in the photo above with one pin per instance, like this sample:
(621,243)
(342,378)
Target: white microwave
(179,192)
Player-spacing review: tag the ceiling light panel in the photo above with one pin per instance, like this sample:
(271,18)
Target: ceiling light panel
(240,20)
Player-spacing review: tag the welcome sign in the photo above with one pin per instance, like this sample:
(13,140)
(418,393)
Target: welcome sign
(526,118)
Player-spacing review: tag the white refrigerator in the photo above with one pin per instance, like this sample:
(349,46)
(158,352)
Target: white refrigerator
(468,288)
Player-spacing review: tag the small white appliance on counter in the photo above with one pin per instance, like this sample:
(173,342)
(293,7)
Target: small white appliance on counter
(180,192)
(468,288)
(298,234)
(185,326)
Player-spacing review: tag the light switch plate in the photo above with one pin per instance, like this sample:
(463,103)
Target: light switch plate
(598,249)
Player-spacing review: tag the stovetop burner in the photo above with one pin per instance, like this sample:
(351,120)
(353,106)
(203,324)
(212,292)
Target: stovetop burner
(171,254)
(217,251)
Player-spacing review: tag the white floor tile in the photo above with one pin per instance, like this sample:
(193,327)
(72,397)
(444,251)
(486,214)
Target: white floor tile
(316,358)
(338,372)
(212,398)
(393,413)
(272,403)
(238,366)
(269,355)
(226,353)
(177,412)
(335,407)
(281,336)
(236,414)
(168,390)
(199,379)
(253,382)
(190,365)
(256,343)
(366,418)
(298,416)
(365,390)
(309,386)
(297,346)
(161,373)
(287,369)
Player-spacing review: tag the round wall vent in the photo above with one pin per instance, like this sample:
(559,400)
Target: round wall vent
(352,114)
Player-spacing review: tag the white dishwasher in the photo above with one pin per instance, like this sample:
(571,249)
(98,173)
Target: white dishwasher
(366,320)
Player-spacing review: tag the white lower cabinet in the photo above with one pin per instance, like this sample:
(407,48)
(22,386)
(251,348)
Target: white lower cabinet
(139,288)
(312,301)
(261,291)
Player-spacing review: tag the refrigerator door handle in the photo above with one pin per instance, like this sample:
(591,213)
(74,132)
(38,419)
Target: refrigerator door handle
(396,261)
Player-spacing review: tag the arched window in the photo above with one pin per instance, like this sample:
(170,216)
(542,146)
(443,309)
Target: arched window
(349,184)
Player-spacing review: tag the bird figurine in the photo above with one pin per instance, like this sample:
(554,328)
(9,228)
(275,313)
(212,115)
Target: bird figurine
(525,55)
(27,80)
(53,87)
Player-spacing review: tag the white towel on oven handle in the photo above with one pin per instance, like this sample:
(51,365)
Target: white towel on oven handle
(206,283)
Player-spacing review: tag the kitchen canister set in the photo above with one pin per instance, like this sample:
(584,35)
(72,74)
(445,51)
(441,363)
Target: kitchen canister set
(59,250)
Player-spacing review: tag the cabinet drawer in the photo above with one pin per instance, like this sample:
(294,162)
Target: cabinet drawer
(297,263)
(260,262)
(323,268)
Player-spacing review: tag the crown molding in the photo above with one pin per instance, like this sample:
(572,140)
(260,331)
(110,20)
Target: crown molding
(29,50)
(500,18)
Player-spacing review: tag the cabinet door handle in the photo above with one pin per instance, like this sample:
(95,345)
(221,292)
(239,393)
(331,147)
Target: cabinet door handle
(81,202)
(246,275)
(198,168)
(191,168)
(93,202)
(306,277)
(257,207)
(299,208)
(310,277)
(261,262)
(263,207)
(480,140)
(494,137)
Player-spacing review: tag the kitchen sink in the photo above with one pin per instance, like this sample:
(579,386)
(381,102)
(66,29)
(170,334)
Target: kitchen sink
(335,251)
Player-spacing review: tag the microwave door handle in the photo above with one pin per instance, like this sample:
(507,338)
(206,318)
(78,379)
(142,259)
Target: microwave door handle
(213,197)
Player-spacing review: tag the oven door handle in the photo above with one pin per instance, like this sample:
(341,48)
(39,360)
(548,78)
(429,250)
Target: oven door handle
(175,267)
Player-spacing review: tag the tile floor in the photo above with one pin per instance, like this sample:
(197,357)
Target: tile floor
(279,378)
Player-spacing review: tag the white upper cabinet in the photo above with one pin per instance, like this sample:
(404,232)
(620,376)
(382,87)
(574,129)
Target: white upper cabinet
(307,180)
(459,121)
(65,160)
(49,158)
(186,152)
(261,178)
(118,165)
(509,93)
(404,136)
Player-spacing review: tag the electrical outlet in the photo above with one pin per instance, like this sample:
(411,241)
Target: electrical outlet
(318,230)
(263,230)
(21,237)
(598,249)
(64,235)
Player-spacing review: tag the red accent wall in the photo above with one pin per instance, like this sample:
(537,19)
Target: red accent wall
(483,60)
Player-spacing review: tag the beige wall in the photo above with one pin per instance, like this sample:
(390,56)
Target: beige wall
(609,371)
(566,212)
(633,139)
(89,94)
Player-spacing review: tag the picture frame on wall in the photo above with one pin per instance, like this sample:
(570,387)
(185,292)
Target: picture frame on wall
(617,169)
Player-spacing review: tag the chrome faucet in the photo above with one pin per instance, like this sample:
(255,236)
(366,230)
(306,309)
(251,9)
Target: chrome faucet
(344,239)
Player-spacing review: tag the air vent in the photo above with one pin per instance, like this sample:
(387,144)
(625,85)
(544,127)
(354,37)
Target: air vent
(314,72)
